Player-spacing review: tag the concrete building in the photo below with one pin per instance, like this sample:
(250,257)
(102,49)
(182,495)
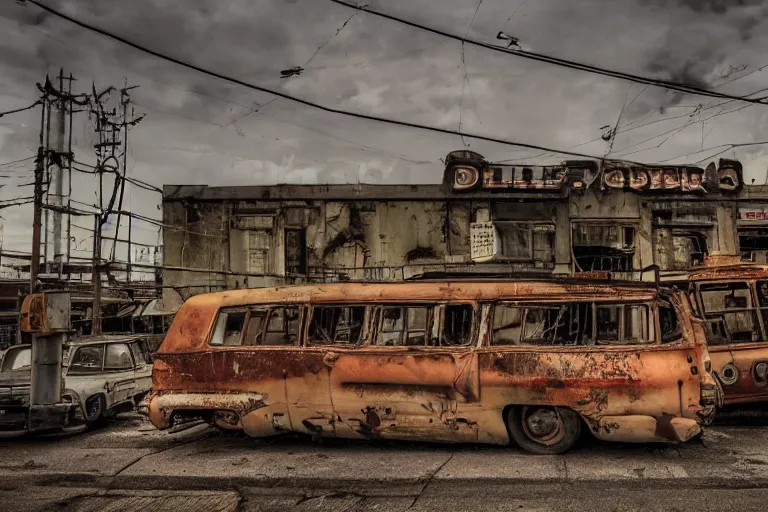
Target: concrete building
(579,216)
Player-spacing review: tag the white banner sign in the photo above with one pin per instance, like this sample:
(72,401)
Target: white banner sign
(482,236)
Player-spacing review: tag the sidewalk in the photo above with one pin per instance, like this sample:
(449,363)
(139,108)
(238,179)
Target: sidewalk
(199,458)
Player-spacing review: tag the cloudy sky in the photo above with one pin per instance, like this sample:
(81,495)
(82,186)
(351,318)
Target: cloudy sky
(200,130)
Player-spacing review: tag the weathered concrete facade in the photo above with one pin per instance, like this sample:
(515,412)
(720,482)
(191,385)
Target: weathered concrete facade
(252,236)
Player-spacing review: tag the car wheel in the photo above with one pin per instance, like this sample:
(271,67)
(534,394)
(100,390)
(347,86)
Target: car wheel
(95,407)
(544,430)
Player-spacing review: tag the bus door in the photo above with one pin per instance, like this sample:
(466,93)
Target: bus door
(414,375)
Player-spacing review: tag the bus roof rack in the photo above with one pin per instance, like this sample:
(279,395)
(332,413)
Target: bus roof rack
(593,276)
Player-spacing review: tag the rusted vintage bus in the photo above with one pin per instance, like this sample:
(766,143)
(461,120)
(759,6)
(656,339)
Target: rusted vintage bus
(733,301)
(489,361)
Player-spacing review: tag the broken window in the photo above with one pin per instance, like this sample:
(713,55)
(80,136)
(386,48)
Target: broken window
(282,327)
(540,325)
(679,249)
(730,313)
(87,359)
(457,325)
(526,241)
(141,352)
(671,330)
(404,326)
(229,327)
(258,251)
(295,251)
(336,325)
(575,324)
(515,241)
(625,324)
(507,324)
(117,358)
(607,323)
(276,325)
(762,299)
(564,324)
(603,247)
(753,244)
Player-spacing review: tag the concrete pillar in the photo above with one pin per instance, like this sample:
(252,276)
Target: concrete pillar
(726,230)
(45,387)
(644,239)
(563,238)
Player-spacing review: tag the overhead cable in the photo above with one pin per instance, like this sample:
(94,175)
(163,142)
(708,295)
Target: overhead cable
(301,101)
(667,84)
(22,109)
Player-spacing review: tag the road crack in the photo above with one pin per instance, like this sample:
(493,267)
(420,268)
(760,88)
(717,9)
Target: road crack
(429,480)
(164,449)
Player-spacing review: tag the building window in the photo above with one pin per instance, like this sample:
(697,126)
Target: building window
(513,241)
(753,244)
(258,251)
(295,251)
(604,247)
(677,249)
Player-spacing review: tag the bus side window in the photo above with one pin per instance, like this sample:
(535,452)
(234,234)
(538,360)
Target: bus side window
(457,325)
(669,324)
(282,327)
(507,324)
(624,324)
(336,325)
(229,328)
(730,313)
(403,326)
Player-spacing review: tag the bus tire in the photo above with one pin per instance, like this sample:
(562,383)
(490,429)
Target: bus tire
(544,430)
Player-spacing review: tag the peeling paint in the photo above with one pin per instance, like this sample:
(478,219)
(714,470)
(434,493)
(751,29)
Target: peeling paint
(448,393)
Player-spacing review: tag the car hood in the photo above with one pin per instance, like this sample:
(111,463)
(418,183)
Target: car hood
(16,378)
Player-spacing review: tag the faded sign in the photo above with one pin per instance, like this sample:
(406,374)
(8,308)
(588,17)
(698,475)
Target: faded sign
(753,213)
(482,237)
(472,172)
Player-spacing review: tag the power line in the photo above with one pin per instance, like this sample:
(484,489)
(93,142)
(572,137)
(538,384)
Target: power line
(18,161)
(22,109)
(675,86)
(303,101)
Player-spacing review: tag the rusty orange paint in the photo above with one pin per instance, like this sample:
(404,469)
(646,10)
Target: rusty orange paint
(441,393)
(744,356)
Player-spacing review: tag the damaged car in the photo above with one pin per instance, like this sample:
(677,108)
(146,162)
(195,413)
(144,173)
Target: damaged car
(529,362)
(731,298)
(102,375)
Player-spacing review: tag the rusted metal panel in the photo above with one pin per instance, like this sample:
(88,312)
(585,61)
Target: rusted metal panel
(449,394)
(738,363)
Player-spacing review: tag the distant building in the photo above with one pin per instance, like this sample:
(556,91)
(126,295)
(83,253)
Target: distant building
(580,216)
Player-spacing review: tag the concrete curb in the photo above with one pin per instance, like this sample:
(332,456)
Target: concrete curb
(370,485)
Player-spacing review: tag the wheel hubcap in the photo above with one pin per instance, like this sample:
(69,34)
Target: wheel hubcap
(542,425)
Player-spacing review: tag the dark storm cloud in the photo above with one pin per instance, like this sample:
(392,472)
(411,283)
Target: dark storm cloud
(203,130)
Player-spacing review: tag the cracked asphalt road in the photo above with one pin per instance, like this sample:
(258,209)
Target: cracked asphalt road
(130,466)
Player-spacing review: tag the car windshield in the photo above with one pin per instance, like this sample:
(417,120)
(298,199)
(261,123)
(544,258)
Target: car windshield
(17,359)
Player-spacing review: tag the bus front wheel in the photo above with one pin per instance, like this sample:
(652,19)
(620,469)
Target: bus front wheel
(544,430)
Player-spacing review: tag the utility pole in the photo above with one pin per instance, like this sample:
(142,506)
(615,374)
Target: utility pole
(34,262)
(96,278)
(58,175)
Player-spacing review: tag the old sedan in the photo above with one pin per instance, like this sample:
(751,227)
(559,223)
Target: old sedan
(102,375)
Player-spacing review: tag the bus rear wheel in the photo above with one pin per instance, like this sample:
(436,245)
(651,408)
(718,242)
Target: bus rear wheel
(544,430)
